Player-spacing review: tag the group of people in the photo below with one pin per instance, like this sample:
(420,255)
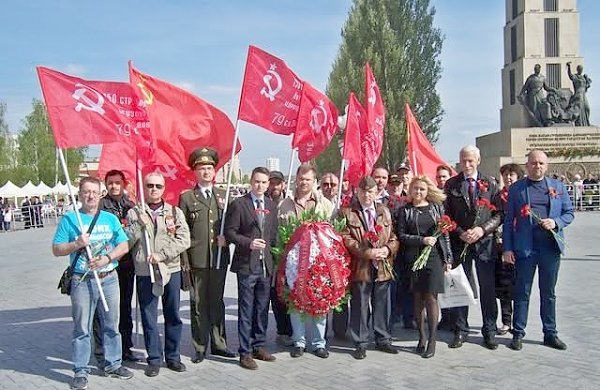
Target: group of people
(168,248)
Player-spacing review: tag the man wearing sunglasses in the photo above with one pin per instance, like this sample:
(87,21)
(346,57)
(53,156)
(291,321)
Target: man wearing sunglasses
(203,210)
(168,235)
(329,186)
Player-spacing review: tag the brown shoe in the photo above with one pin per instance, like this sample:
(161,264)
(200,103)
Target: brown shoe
(262,354)
(247,362)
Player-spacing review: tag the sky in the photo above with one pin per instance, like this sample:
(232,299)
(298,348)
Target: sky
(201,45)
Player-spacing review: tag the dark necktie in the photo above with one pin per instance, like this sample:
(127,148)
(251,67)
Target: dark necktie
(260,215)
(207,193)
(471,188)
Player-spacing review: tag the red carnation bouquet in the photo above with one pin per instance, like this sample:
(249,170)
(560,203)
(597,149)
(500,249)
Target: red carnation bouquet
(481,205)
(314,271)
(445,225)
(372,239)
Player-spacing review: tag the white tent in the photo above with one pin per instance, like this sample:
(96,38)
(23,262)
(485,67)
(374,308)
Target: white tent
(9,190)
(43,189)
(61,188)
(29,189)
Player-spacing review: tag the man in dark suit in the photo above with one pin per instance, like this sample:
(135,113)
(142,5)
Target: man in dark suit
(203,210)
(538,206)
(251,224)
(473,241)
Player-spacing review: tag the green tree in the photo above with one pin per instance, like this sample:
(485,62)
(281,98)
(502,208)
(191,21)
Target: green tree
(37,151)
(400,42)
(5,140)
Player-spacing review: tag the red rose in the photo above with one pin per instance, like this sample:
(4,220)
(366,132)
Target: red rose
(378,229)
(525,211)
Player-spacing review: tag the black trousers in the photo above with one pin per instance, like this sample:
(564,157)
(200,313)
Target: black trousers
(254,291)
(126,272)
(486,274)
(282,318)
(370,299)
(339,322)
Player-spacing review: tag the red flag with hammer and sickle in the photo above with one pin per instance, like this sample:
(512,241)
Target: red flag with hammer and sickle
(85,112)
(356,128)
(271,93)
(317,123)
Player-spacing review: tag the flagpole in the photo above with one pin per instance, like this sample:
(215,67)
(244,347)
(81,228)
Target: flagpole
(289,181)
(229,176)
(414,156)
(88,250)
(341,179)
(142,199)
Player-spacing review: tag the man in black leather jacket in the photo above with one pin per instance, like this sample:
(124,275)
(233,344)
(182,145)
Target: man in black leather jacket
(468,203)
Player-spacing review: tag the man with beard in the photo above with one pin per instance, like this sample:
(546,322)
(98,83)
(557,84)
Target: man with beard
(276,192)
(117,203)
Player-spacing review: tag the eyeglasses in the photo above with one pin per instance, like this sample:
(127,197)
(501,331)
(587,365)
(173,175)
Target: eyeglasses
(157,186)
(329,184)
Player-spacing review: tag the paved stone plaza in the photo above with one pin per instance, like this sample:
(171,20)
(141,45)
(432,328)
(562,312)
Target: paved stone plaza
(35,337)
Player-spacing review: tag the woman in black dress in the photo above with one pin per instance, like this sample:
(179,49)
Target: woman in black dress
(417,222)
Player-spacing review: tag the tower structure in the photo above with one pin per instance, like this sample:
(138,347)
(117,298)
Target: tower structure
(544,32)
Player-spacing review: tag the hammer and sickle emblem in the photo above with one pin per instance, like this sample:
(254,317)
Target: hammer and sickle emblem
(169,172)
(268,91)
(84,102)
(372,97)
(315,113)
(148,96)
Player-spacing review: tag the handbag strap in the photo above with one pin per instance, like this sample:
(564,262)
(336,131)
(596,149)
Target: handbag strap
(89,231)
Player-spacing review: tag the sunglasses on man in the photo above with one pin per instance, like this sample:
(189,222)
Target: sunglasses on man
(157,186)
(328,184)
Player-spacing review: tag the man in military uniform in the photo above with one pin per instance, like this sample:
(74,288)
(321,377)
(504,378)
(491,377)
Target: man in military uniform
(203,210)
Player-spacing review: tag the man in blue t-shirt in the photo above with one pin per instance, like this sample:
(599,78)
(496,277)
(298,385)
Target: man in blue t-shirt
(107,242)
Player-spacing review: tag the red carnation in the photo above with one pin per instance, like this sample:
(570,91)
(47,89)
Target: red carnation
(504,195)
(552,192)
(483,185)
(525,211)
(378,229)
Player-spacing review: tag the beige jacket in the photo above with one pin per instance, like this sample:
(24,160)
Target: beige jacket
(171,239)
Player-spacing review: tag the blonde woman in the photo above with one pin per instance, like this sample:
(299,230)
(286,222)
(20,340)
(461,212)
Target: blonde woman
(417,222)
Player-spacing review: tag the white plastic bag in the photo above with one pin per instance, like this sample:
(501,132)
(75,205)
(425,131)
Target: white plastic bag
(458,291)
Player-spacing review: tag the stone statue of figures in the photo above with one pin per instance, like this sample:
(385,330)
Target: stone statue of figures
(532,97)
(579,102)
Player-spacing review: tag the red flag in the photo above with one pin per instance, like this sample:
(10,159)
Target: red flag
(317,123)
(356,127)
(375,117)
(122,157)
(84,112)
(418,145)
(270,93)
(181,122)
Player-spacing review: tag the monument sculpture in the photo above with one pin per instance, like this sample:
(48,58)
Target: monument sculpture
(559,106)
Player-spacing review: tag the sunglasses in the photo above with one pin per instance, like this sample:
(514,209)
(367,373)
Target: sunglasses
(157,186)
(328,184)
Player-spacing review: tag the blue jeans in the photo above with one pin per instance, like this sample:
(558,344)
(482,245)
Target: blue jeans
(84,299)
(548,262)
(173,325)
(316,326)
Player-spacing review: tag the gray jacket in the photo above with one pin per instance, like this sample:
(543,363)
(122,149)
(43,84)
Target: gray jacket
(169,237)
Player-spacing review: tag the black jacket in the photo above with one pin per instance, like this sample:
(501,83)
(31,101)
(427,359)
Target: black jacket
(460,209)
(412,240)
(241,227)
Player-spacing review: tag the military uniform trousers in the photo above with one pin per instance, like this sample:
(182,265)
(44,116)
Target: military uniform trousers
(208,309)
